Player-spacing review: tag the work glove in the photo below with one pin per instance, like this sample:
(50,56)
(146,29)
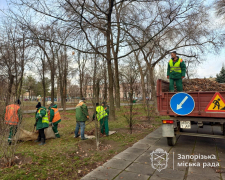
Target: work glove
(50,124)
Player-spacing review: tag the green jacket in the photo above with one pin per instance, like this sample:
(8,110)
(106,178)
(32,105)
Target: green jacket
(107,109)
(40,124)
(81,112)
(176,75)
(52,113)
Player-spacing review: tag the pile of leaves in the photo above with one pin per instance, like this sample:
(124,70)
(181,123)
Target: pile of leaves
(202,85)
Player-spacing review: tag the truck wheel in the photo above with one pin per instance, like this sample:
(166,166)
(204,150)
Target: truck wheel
(171,141)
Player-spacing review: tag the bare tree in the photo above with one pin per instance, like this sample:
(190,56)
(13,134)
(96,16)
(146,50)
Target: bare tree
(130,75)
(13,58)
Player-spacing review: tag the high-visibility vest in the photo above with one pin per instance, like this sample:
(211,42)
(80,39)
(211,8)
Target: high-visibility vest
(45,118)
(56,115)
(101,113)
(175,67)
(11,114)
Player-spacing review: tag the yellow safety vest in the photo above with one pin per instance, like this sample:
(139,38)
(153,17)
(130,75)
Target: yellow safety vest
(176,66)
(45,118)
(101,113)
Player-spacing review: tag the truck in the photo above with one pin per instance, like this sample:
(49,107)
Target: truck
(205,112)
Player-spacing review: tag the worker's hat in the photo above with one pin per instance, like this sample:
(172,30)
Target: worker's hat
(49,102)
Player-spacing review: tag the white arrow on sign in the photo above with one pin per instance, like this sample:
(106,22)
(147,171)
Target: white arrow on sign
(179,106)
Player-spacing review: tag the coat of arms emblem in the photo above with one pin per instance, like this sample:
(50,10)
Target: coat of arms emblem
(159,159)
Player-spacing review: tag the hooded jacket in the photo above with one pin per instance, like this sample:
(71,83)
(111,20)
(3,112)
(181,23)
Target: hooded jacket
(52,114)
(39,116)
(81,112)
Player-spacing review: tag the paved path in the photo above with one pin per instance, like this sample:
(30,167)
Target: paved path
(134,163)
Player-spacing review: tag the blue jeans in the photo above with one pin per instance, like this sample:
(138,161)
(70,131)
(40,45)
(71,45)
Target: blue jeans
(80,125)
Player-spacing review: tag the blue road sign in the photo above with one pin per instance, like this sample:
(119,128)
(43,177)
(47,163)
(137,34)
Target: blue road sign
(182,104)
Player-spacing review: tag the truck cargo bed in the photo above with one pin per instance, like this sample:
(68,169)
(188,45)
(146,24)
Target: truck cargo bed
(201,98)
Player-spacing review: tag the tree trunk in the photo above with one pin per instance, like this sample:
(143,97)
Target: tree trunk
(143,88)
(43,80)
(131,105)
(105,85)
(65,81)
(109,62)
(52,84)
(94,104)
(97,90)
(153,88)
(117,83)
(11,79)
(22,68)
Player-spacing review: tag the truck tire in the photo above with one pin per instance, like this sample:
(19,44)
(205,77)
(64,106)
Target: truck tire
(171,141)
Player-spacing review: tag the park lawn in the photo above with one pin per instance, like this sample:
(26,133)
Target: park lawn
(71,158)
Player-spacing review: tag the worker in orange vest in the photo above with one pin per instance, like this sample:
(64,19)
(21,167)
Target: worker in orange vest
(12,118)
(54,117)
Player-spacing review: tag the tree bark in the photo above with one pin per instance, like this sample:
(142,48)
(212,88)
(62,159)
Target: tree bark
(11,79)
(109,62)
(117,83)
(97,90)
(153,88)
(52,84)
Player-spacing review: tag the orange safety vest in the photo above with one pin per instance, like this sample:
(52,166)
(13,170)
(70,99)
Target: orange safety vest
(11,114)
(56,115)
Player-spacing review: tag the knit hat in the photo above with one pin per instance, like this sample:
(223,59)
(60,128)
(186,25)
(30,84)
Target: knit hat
(97,104)
(18,102)
(104,103)
(174,52)
(38,105)
(49,102)
(83,99)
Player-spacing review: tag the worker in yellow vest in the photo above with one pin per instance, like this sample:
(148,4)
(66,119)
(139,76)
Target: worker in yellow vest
(54,117)
(176,72)
(12,118)
(42,122)
(102,116)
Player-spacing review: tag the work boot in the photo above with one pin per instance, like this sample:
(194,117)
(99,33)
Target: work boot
(38,140)
(42,141)
(57,135)
(84,138)
(76,136)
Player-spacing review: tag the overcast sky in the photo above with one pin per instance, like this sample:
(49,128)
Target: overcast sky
(210,67)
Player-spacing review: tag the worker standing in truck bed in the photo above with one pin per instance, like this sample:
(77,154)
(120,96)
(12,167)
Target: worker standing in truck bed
(176,72)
